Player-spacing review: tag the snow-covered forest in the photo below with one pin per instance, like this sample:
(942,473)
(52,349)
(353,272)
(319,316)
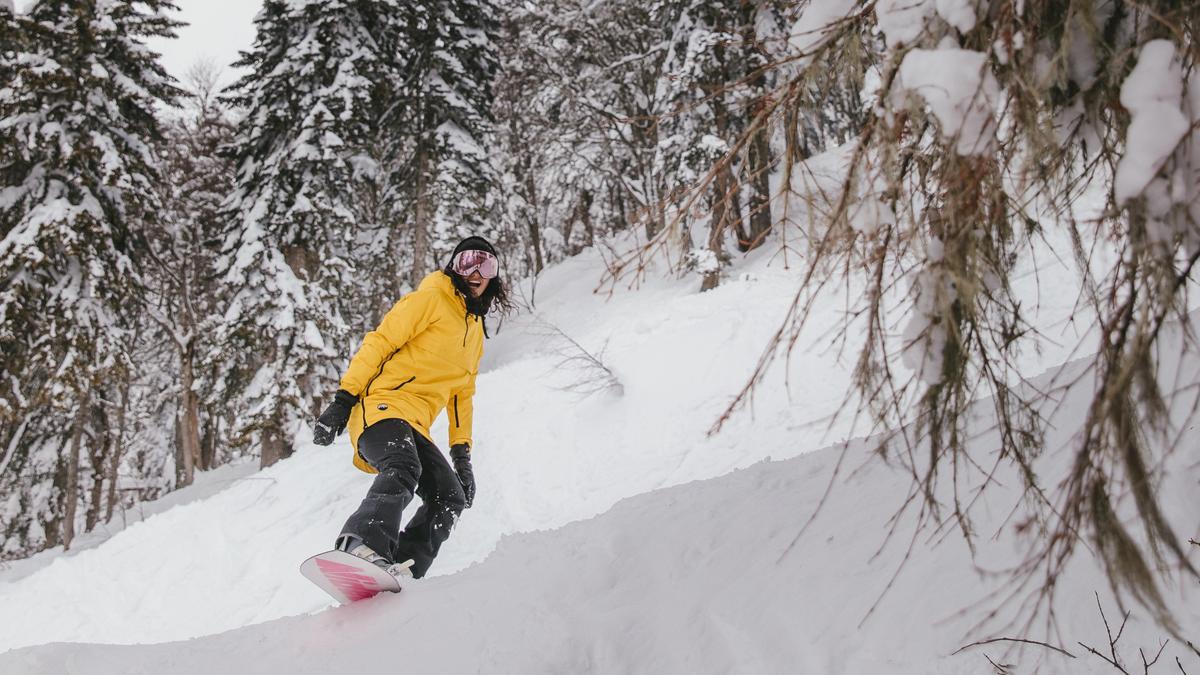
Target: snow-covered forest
(942,198)
(186,266)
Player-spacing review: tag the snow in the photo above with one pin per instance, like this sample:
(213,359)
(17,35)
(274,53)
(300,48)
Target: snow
(959,90)
(958,13)
(207,483)
(903,21)
(870,212)
(924,338)
(817,21)
(1153,95)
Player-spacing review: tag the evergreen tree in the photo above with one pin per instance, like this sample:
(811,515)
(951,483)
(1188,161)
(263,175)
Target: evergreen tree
(703,76)
(78,168)
(313,98)
(449,63)
(716,142)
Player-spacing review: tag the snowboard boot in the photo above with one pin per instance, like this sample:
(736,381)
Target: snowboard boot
(355,547)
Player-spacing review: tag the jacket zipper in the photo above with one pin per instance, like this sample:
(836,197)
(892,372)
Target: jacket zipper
(401,385)
(456,422)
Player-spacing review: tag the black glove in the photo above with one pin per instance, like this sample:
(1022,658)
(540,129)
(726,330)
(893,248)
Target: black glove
(333,421)
(461,454)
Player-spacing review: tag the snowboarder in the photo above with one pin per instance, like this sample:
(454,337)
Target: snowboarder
(421,360)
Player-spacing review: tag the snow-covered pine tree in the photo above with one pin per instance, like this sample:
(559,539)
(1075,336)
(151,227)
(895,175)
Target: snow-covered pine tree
(761,25)
(311,101)
(77,124)
(11,39)
(702,81)
(715,143)
(450,62)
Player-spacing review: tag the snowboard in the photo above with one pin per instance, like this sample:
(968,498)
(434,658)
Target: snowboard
(348,578)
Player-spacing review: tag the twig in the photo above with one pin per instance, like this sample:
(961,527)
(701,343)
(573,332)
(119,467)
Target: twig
(1145,665)
(598,376)
(1001,668)
(1107,660)
(1112,642)
(1006,639)
(1113,660)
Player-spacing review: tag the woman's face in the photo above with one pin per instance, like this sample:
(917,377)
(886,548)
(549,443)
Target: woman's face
(476,283)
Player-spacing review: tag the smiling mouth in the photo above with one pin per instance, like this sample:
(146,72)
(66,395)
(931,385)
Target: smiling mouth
(474,284)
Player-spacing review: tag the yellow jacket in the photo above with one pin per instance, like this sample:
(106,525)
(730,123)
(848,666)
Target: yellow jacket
(421,359)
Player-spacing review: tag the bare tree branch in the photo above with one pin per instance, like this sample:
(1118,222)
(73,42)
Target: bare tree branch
(1020,640)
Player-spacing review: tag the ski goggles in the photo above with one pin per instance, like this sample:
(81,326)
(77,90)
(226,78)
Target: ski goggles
(467,262)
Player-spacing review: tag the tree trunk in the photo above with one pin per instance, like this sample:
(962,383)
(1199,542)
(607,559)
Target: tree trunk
(535,234)
(620,213)
(96,500)
(274,447)
(422,212)
(208,442)
(727,198)
(795,139)
(758,167)
(71,488)
(585,216)
(758,155)
(187,422)
(97,459)
(270,449)
(114,458)
(727,213)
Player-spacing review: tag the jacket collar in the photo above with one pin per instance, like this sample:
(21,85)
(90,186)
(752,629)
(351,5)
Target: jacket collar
(440,282)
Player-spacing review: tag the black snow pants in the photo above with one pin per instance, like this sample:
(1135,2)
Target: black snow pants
(408,463)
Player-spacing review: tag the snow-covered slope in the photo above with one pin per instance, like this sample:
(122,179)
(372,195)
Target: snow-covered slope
(691,578)
(709,577)
(545,455)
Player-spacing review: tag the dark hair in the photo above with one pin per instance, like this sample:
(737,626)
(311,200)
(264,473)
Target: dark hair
(494,297)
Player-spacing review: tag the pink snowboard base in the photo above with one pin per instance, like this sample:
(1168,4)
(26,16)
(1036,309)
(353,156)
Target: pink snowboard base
(347,578)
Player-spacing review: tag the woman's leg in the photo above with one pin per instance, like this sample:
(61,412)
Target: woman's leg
(443,501)
(389,446)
